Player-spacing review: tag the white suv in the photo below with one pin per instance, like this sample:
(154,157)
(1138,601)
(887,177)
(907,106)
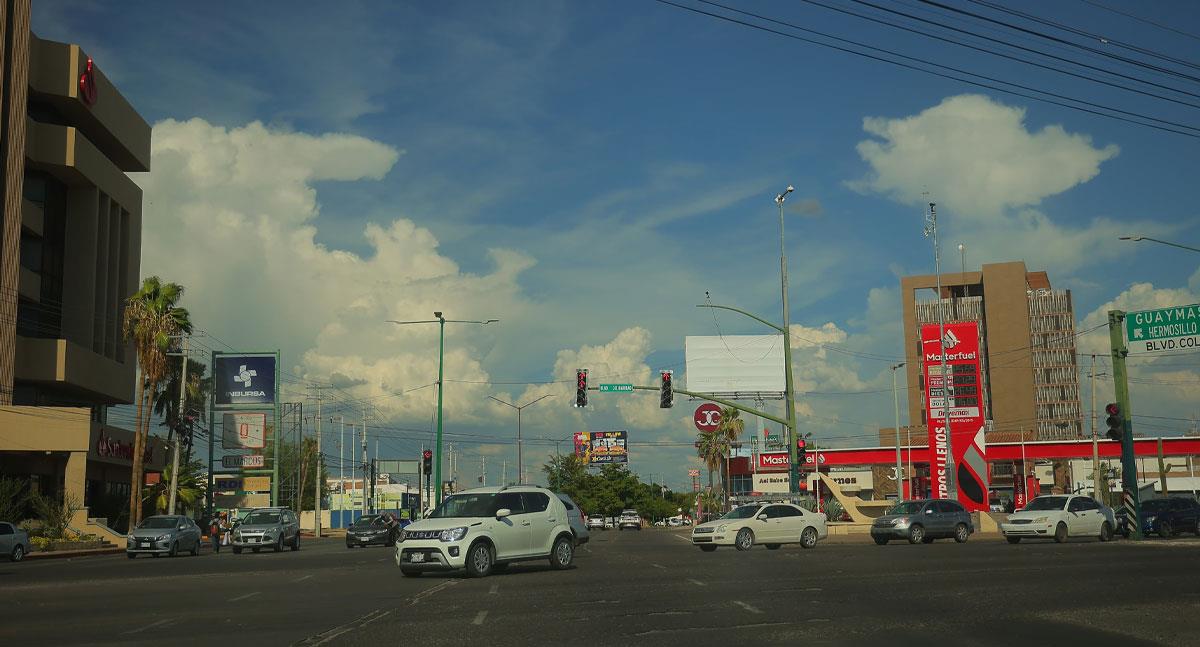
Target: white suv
(486,529)
(629,519)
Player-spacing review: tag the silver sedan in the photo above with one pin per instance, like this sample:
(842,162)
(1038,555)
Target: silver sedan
(164,535)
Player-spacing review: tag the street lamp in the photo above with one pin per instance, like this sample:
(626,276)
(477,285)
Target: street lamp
(931,232)
(520,443)
(441,321)
(1163,242)
(789,393)
(900,476)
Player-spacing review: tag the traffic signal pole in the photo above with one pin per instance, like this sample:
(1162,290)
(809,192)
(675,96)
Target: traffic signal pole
(1129,499)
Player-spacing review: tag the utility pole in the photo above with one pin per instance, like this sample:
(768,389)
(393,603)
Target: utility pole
(341,466)
(520,442)
(1162,470)
(789,393)
(483,469)
(504,472)
(316,473)
(179,416)
(375,478)
(1130,496)
(947,379)
(364,463)
(1095,439)
(900,475)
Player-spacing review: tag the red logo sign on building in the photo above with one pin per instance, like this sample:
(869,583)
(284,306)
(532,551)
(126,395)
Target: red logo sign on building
(707,417)
(87,84)
(773,461)
(959,392)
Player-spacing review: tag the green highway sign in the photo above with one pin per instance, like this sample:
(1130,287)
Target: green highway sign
(616,388)
(1164,329)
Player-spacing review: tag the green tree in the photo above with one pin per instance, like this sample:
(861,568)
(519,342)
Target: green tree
(14,495)
(297,464)
(152,318)
(166,400)
(710,450)
(190,490)
(729,430)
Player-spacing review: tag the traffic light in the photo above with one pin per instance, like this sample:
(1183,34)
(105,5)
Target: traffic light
(666,395)
(801,451)
(427,461)
(1116,422)
(581,387)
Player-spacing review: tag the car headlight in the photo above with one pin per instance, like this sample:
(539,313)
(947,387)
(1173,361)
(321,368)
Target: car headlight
(1150,518)
(162,537)
(901,522)
(723,527)
(453,534)
(1041,520)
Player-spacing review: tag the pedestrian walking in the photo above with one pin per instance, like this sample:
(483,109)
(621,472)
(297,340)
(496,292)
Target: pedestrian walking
(214,533)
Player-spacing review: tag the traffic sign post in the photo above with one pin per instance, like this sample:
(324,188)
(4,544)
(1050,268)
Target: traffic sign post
(707,417)
(1129,500)
(1164,329)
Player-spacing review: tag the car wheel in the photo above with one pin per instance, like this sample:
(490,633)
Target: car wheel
(916,534)
(1106,532)
(563,553)
(1197,528)
(278,547)
(1060,533)
(296,544)
(131,555)
(708,549)
(18,553)
(195,548)
(174,549)
(408,572)
(1165,530)
(237,550)
(961,533)
(808,538)
(479,560)
(349,545)
(745,539)
(1013,540)
(880,541)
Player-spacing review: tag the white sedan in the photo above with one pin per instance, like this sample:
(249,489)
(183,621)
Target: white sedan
(769,524)
(1060,516)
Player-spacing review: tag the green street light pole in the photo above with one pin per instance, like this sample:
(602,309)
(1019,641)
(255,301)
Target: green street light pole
(1162,242)
(789,393)
(437,452)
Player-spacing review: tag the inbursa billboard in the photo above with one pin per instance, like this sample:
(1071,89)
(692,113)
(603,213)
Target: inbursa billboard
(244,379)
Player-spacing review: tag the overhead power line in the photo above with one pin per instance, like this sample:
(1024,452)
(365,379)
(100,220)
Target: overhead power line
(1098,5)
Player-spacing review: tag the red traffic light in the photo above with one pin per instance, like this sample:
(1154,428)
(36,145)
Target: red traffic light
(427,454)
(1112,409)
(800,443)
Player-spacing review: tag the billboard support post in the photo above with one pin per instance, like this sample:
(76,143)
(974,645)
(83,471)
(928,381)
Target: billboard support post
(1130,498)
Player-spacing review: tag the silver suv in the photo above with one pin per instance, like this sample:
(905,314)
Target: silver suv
(271,527)
(922,521)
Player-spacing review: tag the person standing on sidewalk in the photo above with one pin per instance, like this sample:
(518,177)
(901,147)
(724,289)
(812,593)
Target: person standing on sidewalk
(214,533)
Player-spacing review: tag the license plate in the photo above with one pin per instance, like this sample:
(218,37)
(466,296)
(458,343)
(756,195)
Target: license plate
(144,544)
(252,540)
(416,557)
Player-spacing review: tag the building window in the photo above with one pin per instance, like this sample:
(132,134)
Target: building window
(741,484)
(44,256)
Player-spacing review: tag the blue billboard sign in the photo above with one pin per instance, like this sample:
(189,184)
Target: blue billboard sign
(244,379)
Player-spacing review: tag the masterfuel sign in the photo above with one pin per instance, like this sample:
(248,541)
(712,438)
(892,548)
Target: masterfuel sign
(244,379)
(960,391)
(1165,329)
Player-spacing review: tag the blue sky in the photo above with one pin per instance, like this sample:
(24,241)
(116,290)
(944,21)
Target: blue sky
(586,171)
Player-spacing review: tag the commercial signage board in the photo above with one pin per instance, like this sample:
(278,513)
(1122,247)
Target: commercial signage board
(257,484)
(244,379)
(241,501)
(707,417)
(693,473)
(768,461)
(602,447)
(1164,329)
(227,483)
(772,483)
(243,460)
(961,389)
(243,430)
(745,365)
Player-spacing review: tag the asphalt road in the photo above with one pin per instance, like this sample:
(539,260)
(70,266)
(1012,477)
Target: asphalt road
(648,587)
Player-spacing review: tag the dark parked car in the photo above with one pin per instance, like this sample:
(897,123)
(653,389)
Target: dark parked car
(1170,516)
(14,542)
(372,529)
(923,521)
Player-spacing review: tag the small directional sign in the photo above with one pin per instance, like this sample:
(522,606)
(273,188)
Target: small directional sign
(616,388)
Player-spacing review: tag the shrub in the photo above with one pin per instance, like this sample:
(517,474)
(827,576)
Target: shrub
(54,513)
(39,543)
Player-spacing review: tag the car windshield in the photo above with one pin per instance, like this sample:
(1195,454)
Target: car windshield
(159,522)
(466,505)
(744,512)
(1047,503)
(256,518)
(1155,505)
(907,507)
(372,520)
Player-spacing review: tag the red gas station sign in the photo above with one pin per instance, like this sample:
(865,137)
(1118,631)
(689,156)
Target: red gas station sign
(960,393)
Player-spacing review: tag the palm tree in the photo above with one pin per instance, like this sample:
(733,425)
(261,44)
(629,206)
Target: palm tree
(166,400)
(151,319)
(710,449)
(728,431)
(189,490)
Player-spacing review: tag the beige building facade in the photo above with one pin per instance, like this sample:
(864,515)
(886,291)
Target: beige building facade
(69,256)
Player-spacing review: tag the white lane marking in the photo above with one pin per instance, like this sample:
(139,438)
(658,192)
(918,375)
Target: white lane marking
(479,618)
(149,626)
(357,623)
(243,597)
(431,590)
(495,589)
(687,539)
(747,607)
(382,560)
(818,620)
(301,579)
(697,582)
(659,566)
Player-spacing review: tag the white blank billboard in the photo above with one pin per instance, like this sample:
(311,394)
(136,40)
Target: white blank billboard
(734,364)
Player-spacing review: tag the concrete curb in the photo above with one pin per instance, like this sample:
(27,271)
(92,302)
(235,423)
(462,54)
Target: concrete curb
(66,554)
